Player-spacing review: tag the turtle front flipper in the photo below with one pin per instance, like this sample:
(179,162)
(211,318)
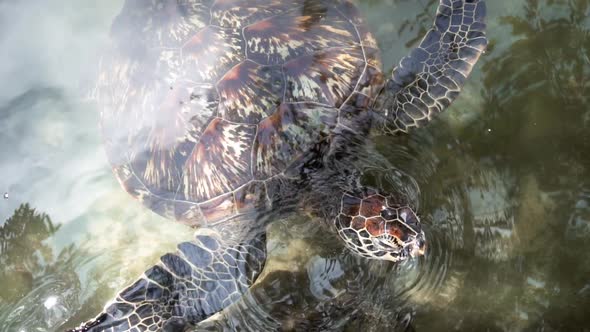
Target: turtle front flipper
(427,80)
(203,277)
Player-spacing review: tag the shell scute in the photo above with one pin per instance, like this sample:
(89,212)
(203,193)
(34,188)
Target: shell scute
(250,92)
(281,38)
(155,132)
(328,77)
(366,37)
(170,23)
(211,53)
(287,134)
(240,13)
(220,162)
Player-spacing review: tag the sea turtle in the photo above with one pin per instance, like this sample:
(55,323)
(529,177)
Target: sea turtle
(218,112)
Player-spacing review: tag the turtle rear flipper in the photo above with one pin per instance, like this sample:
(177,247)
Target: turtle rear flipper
(428,79)
(203,277)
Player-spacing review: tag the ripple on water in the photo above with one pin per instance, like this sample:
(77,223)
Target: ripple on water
(466,210)
(46,307)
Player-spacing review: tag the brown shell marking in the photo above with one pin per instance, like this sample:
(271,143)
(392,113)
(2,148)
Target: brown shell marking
(220,162)
(284,136)
(157,131)
(250,92)
(279,39)
(211,52)
(240,13)
(151,139)
(328,77)
(171,23)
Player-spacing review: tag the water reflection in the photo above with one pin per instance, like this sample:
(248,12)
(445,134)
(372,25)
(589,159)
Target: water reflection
(44,286)
(512,180)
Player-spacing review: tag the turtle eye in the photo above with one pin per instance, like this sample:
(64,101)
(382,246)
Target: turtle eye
(388,214)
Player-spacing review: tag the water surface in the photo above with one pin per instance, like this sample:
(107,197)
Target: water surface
(502,181)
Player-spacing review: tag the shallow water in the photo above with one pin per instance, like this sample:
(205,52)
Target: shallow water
(502,182)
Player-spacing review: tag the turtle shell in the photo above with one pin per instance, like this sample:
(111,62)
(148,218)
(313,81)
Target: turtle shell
(204,103)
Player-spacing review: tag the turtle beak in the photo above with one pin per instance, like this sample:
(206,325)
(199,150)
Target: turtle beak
(418,246)
(414,239)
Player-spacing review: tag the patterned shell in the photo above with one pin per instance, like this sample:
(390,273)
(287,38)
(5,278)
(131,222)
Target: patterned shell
(206,103)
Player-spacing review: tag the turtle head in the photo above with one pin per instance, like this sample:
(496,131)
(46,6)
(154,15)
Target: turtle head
(376,226)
